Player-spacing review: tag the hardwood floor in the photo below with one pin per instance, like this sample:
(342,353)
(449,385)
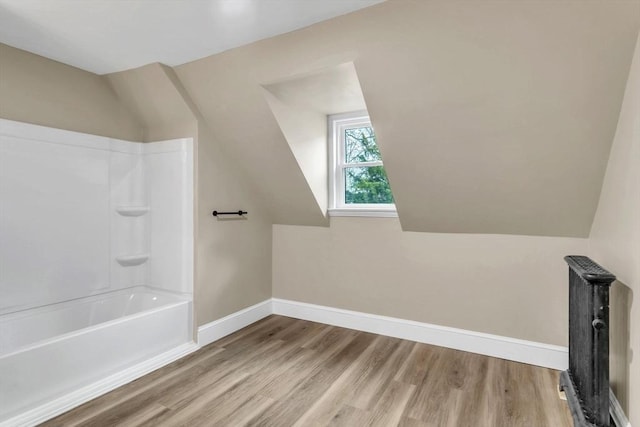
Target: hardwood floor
(286,372)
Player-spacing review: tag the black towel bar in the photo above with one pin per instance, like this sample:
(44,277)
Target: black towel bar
(240,213)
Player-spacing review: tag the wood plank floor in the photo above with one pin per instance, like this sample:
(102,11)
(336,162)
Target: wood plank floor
(286,372)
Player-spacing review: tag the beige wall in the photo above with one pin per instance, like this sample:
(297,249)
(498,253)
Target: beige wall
(514,286)
(615,243)
(38,90)
(152,96)
(232,256)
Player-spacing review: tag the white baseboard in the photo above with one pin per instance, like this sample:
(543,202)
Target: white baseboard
(618,415)
(217,329)
(64,403)
(546,355)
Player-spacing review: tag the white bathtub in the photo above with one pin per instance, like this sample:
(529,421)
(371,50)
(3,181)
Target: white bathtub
(49,352)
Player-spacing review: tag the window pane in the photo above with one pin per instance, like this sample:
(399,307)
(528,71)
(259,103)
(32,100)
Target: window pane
(360,145)
(366,185)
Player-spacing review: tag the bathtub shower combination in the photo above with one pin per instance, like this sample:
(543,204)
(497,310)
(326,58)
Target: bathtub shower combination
(96,265)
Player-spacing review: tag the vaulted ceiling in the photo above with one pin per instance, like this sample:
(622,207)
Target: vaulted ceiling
(492,117)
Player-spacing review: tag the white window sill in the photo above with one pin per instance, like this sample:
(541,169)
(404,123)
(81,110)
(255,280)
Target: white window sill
(364,212)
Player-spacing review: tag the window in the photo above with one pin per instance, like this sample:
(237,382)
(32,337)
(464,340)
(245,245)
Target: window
(359,184)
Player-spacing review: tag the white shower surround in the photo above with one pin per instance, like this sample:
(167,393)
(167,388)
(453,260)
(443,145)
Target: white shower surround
(67,215)
(96,252)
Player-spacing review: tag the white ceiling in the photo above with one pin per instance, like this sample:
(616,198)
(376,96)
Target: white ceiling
(105,36)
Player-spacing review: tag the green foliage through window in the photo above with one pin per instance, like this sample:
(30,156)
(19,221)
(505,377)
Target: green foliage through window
(360,146)
(365,184)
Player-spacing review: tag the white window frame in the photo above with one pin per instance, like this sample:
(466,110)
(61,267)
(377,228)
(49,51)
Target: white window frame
(338,123)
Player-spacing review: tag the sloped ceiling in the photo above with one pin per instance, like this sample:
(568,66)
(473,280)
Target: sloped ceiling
(492,117)
(508,110)
(151,96)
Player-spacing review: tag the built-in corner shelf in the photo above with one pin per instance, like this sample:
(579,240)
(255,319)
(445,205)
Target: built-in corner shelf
(132,210)
(132,260)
